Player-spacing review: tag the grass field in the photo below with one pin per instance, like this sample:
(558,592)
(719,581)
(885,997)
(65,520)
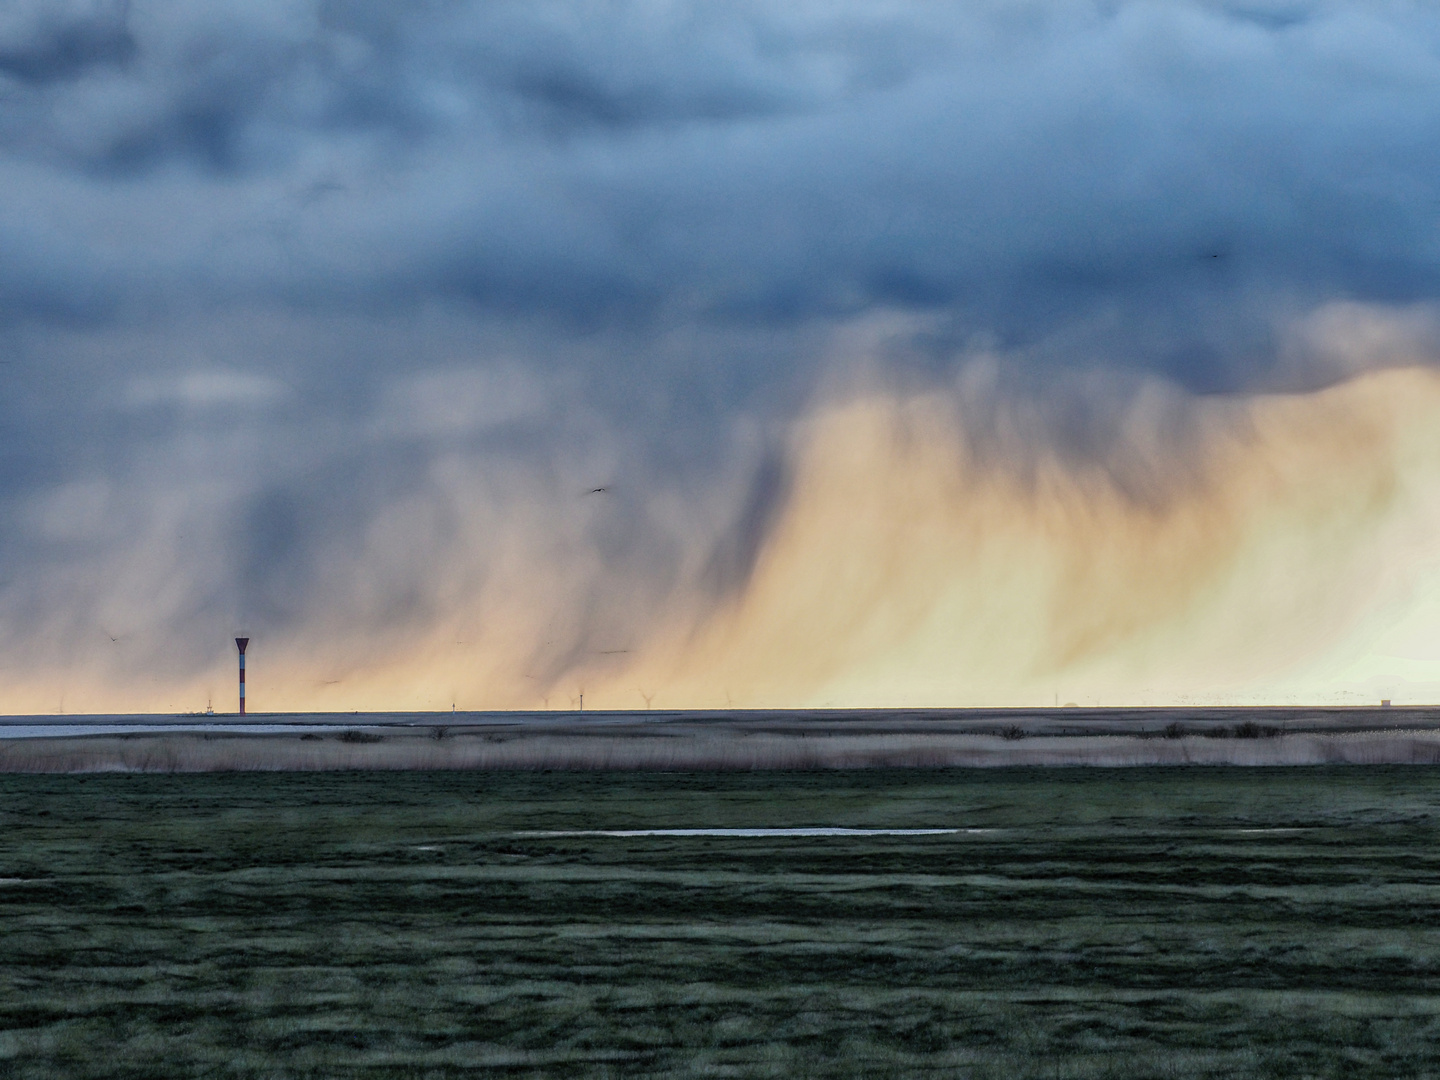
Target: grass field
(1135,923)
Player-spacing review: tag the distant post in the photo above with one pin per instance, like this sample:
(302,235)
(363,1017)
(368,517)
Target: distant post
(241,642)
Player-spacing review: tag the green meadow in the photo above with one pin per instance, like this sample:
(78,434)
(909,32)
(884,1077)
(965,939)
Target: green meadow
(1099,923)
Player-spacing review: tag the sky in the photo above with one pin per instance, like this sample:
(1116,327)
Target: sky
(701,354)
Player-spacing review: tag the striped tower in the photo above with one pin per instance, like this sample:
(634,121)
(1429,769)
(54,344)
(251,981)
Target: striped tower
(242,642)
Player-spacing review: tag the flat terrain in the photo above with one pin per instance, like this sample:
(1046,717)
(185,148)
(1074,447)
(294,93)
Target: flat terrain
(728,740)
(1086,923)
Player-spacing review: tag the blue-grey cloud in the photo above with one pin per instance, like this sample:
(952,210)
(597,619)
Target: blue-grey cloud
(654,217)
(1142,168)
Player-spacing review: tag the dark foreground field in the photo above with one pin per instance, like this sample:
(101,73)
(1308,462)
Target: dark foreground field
(1135,923)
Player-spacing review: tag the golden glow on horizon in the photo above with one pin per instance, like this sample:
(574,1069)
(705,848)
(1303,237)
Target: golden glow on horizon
(1296,557)
(1286,550)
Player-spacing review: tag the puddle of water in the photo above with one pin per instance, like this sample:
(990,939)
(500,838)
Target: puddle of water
(815,831)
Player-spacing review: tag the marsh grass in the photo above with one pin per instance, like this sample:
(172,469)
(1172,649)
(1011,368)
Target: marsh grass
(704,747)
(355,735)
(1144,923)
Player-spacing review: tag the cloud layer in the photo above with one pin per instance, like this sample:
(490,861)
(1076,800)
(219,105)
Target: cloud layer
(324,318)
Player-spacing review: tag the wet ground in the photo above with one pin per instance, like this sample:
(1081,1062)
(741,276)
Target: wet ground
(1007,923)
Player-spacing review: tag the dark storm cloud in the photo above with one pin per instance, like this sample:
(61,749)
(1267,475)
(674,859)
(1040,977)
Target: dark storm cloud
(64,45)
(251,232)
(1161,174)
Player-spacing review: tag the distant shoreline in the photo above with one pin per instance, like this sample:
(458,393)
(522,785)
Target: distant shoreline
(729,740)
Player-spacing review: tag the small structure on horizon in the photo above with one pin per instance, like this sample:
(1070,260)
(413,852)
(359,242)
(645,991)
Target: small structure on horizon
(240,643)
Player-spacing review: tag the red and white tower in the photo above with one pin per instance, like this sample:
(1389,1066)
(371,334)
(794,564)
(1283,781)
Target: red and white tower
(242,642)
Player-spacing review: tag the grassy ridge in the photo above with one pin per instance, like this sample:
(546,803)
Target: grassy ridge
(1113,924)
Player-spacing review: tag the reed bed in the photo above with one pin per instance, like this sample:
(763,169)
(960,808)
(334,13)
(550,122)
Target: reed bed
(711,750)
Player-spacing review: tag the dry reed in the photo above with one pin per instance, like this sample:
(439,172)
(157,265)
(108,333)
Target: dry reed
(704,750)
